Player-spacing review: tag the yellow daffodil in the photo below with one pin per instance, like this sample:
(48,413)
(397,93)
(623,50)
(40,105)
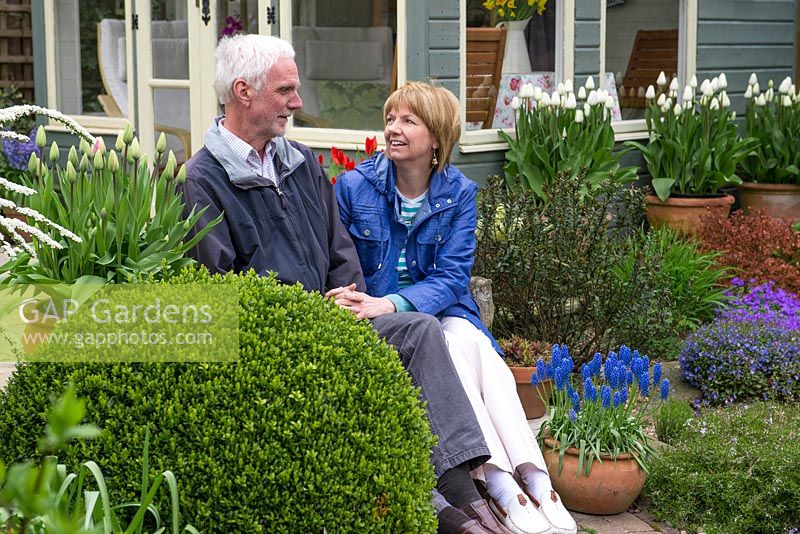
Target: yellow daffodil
(511,5)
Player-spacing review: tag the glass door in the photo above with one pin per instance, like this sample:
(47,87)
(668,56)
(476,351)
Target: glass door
(175,49)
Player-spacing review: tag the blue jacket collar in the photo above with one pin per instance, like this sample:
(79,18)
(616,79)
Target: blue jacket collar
(381,173)
(239,173)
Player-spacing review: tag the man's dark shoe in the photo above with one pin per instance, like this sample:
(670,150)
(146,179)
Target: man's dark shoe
(471,527)
(480,512)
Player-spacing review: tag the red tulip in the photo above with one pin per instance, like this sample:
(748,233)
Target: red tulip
(349,165)
(321,160)
(371,145)
(333,181)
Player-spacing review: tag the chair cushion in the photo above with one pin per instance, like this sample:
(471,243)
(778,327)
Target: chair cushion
(365,60)
(352,105)
(170,58)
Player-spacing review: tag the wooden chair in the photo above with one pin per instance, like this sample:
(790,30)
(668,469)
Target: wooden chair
(485,49)
(653,51)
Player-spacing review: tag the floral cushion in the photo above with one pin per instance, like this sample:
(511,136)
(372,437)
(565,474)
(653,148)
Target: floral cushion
(352,105)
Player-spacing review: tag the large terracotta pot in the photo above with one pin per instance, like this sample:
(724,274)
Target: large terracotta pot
(610,488)
(529,396)
(686,214)
(776,200)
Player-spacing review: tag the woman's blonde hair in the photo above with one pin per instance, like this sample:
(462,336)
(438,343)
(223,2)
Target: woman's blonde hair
(437,107)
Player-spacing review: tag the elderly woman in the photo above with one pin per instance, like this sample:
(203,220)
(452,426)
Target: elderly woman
(412,218)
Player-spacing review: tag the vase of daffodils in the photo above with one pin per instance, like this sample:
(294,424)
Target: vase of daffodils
(515,16)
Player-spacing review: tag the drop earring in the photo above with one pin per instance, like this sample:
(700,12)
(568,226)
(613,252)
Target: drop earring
(435,160)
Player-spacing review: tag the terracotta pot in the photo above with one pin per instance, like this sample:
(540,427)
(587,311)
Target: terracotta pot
(610,488)
(36,333)
(687,214)
(529,396)
(776,200)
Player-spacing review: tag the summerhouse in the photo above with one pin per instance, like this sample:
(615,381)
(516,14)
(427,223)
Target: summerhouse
(150,61)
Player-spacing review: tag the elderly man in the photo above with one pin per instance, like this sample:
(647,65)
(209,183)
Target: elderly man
(281,216)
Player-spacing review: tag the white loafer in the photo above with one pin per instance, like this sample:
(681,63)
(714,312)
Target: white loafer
(520,516)
(551,507)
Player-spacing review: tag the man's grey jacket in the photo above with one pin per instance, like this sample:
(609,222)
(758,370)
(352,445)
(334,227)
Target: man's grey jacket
(292,228)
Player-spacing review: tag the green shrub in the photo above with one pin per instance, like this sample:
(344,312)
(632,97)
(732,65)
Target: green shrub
(695,283)
(316,427)
(554,267)
(735,469)
(671,419)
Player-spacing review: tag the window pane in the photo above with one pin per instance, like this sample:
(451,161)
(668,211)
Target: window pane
(529,56)
(78,74)
(345,53)
(641,41)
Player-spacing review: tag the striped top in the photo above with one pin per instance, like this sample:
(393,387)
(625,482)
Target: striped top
(247,154)
(408,210)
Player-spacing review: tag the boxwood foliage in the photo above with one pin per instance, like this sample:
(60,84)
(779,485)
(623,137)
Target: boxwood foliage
(317,426)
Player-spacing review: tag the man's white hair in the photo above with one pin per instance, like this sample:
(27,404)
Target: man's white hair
(248,56)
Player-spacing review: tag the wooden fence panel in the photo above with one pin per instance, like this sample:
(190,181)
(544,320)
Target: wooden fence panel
(16,46)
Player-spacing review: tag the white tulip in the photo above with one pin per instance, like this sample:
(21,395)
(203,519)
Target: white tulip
(787,101)
(545,99)
(651,93)
(571,102)
(587,110)
(748,93)
(756,88)
(761,101)
(609,102)
(673,94)
(725,101)
(733,115)
(661,99)
(785,84)
(515,103)
(723,80)
(714,104)
(579,116)
(693,82)
(662,79)
(673,85)
(582,93)
(589,83)
(708,90)
(537,93)
(592,99)
(688,105)
(715,84)
(677,110)
(770,84)
(560,89)
(688,93)
(568,87)
(753,79)
(564,132)
(769,94)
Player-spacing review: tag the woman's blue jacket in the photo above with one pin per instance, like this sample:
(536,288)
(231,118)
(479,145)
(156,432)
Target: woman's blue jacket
(440,246)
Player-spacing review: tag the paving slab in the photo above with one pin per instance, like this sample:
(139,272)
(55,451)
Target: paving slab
(624,523)
(6,369)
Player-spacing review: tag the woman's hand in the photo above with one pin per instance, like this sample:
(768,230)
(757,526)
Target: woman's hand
(361,304)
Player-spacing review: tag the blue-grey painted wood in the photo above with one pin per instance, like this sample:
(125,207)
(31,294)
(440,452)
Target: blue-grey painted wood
(754,33)
(587,61)
(479,172)
(587,38)
(746,10)
(451,84)
(417,38)
(443,34)
(588,9)
(737,79)
(444,63)
(764,56)
(39,66)
(587,33)
(447,9)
